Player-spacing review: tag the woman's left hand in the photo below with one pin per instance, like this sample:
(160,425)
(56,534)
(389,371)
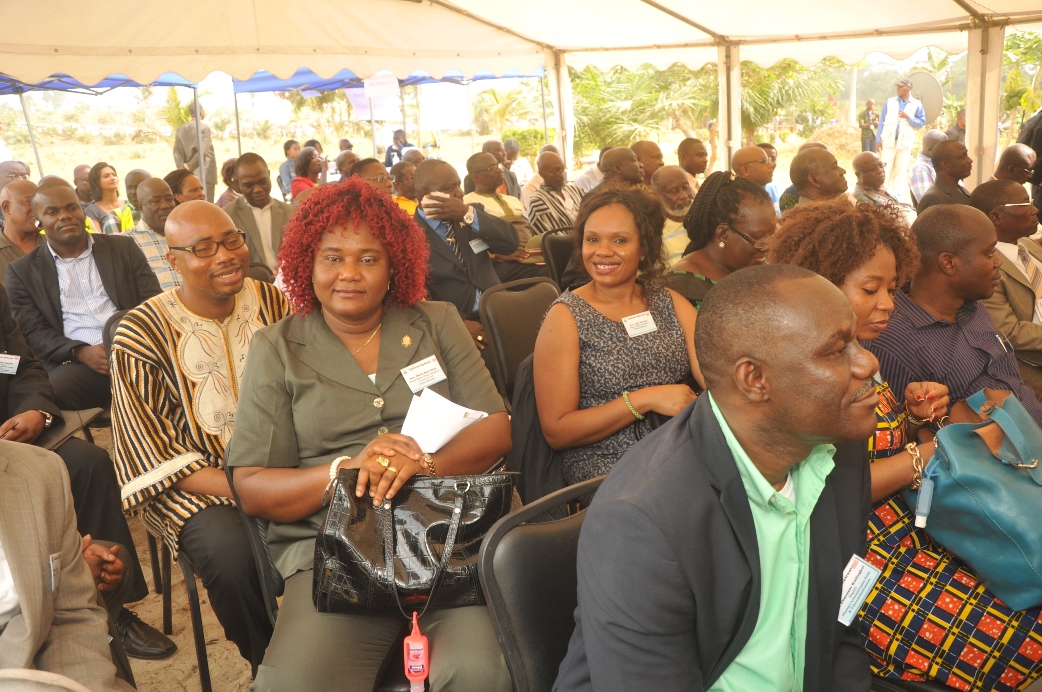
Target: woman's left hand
(385,464)
(926,400)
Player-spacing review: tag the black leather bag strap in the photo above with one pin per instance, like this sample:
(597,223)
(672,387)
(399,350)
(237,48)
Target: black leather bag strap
(450,540)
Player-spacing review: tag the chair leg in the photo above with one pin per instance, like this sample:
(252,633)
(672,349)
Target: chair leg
(197,622)
(153,551)
(168,625)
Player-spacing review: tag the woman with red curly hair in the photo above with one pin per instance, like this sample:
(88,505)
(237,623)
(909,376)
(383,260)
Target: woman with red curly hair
(323,389)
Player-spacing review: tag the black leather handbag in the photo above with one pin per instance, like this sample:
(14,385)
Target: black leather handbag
(417,550)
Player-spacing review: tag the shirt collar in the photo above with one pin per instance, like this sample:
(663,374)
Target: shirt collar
(433,223)
(85,253)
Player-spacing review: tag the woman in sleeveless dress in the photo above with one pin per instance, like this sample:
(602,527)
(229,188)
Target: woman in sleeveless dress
(617,348)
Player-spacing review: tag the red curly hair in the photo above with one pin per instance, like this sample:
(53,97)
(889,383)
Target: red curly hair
(349,203)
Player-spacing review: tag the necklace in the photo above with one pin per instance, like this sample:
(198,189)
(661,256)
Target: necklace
(368,340)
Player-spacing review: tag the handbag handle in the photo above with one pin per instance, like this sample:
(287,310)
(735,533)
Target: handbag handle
(992,411)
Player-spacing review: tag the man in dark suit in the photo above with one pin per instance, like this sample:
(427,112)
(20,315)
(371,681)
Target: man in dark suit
(714,552)
(256,212)
(63,292)
(460,237)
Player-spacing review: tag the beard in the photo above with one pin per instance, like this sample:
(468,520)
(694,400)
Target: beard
(678,211)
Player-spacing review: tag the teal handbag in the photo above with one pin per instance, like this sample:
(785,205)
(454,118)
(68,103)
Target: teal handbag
(982,497)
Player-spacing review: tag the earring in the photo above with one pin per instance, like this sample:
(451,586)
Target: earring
(723,244)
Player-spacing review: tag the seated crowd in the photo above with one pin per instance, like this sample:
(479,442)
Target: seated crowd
(758,385)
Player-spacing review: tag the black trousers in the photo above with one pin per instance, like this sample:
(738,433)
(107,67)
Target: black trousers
(99,512)
(216,544)
(77,387)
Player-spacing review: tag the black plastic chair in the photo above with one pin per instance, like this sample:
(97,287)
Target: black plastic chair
(528,574)
(511,314)
(558,247)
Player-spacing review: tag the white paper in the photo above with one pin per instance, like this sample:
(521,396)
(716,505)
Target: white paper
(478,245)
(858,579)
(433,420)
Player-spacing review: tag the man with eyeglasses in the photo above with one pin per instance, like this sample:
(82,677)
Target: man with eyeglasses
(64,291)
(256,212)
(871,173)
(1017,163)
(754,164)
(169,441)
(1016,306)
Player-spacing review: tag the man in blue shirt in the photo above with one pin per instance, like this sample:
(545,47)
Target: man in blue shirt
(902,115)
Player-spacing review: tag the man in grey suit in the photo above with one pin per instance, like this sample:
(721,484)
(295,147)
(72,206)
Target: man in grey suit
(712,556)
(186,149)
(256,212)
(50,619)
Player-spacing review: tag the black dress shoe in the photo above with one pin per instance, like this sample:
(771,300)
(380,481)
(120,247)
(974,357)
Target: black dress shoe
(142,640)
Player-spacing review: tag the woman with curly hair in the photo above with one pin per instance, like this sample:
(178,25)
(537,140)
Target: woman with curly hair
(927,616)
(728,224)
(323,389)
(617,348)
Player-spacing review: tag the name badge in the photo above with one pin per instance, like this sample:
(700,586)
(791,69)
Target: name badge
(56,570)
(641,323)
(858,579)
(478,245)
(9,364)
(423,374)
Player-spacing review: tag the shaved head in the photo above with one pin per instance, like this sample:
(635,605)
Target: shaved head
(931,139)
(945,228)
(18,189)
(650,156)
(816,169)
(621,164)
(344,161)
(551,169)
(209,283)
(413,156)
(746,155)
(754,164)
(813,145)
(16,202)
(1017,163)
(185,221)
(993,193)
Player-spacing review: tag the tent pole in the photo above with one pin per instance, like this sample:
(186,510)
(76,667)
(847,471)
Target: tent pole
(470,117)
(983,94)
(729,116)
(419,128)
(372,126)
(542,94)
(238,134)
(199,139)
(29,126)
(405,129)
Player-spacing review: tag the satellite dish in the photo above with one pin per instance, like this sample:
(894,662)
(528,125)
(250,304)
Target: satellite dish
(927,89)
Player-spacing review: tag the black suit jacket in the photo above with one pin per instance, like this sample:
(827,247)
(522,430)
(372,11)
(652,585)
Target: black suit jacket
(669,570)
(452,282)
(32,283)
(28,389)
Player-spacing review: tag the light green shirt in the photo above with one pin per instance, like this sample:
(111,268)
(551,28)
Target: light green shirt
(771,661)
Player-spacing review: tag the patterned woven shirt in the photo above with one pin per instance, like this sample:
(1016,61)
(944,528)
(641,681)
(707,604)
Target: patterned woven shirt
(175,385)
(547,211)
(155,248)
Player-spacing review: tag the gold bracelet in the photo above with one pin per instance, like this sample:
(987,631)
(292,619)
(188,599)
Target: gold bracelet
(431,468)
(626,398)
(917,465)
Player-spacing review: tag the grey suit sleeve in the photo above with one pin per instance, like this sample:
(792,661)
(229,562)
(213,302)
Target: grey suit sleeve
(500,235)
(179,151)
(635,604)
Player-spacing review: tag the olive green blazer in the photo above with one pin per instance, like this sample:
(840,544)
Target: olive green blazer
(303,400)
(1012,311)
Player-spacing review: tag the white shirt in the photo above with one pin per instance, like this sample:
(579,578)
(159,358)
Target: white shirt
(589,179)
(85,304)
(529,189)
(263,218)
(9,606)
(789,489)
(1011,252)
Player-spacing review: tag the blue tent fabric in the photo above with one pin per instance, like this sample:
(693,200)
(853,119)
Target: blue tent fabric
(304,80)
(63,82)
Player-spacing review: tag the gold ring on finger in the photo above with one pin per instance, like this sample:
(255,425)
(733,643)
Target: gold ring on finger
(382,460)
(392,470)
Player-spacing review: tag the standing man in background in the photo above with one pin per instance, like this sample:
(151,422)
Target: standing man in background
(868,121)
(902,116)
(186,149)
(287,171)
(394,152)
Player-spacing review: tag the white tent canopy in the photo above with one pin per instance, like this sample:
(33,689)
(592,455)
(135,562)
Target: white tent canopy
(196,37)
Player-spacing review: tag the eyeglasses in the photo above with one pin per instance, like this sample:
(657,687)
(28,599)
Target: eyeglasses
(486,169)
(760,245)
(17,176)
(378,179)
(208,248)
(1019,204)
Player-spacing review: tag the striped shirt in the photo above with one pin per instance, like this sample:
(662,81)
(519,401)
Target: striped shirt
(966,355)
(155,248)
(548,212)
(175,386)
(85,304)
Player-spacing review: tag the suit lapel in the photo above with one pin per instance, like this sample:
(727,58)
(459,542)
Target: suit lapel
(48,273)
(398,343)
(823,590)
(1014,272)
(20,537)
(326,355)
(277,222)
(106,265)
(247,223)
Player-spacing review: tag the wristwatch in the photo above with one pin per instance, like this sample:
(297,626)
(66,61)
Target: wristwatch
(48,419)
(468,218)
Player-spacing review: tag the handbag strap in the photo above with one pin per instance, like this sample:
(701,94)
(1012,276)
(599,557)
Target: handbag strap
(992,411)
(450,540)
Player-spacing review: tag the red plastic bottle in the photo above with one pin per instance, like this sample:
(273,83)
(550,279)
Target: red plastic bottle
(417,663)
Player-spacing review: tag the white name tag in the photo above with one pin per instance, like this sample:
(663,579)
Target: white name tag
(858,579)
(56,571)
(423,374)
(641,323)
(478,245)
(9,364)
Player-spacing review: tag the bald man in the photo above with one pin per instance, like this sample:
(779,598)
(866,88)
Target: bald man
(1017,163)
(509,186)
(670,184)
(413,156)
(941,331)
(81,181)
(754,164)
(789,197)
(712,556)
(555,204)
(157,201)
(621,167)
(536,181)
(922,175)
(816,175)
(650,156)
(20,234)
(952,164)
(344,160)
(871,174)
(170,441)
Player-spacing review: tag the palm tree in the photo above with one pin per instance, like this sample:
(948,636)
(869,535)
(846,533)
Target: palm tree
(496,109)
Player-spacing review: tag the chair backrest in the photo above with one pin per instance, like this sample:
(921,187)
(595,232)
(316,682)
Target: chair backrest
(557,247)
(271,581)
(260,272)
(528,575)
(511,314)
(108,334)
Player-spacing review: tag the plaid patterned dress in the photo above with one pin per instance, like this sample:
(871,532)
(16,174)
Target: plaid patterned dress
(927,616)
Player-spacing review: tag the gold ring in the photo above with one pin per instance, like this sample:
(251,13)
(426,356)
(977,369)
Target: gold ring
(481,338)
(393,470)
(382,460)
